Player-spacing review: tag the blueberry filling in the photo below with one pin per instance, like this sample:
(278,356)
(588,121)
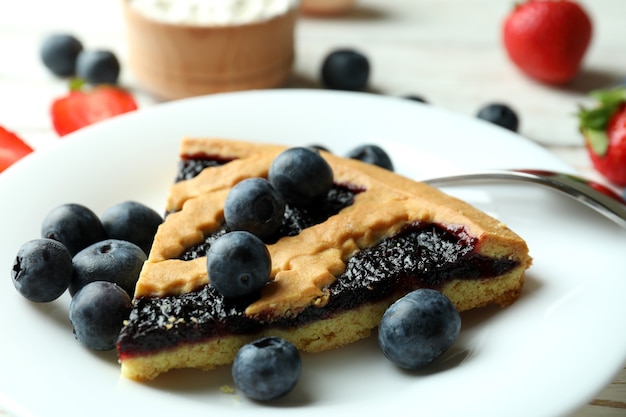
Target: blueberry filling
(421,255)
(192,165)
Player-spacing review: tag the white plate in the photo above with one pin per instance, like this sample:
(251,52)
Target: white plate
(546,355)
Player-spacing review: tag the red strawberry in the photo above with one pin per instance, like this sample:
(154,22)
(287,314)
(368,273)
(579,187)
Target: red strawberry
(84,107)
(547,39)
(12,148)
(604,129)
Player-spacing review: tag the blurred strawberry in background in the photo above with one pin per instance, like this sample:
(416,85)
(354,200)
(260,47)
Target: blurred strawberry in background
(547,39)
(82,107)
(12,148)
(604,130)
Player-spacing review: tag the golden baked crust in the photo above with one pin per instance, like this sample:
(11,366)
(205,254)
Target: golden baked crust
(303,266)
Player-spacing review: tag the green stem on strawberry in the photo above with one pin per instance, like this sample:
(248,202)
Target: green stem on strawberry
(76,84)
(593,122)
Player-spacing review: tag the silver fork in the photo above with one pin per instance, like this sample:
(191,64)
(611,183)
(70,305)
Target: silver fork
(590,193)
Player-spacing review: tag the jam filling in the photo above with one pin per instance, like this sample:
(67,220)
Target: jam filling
(421,255)
(191,165)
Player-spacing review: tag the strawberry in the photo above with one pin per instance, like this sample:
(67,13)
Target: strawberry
(82,107)
(604,130)
(12,148)
(547,39)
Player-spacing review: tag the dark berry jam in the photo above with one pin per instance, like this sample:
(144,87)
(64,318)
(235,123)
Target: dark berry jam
(191,166)
(421,255)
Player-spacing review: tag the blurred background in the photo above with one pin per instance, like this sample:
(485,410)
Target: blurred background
(447,51)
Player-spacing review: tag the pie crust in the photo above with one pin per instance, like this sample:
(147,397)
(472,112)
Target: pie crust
(305,265)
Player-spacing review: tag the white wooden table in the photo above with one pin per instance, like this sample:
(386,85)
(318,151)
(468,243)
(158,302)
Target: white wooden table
(448,51)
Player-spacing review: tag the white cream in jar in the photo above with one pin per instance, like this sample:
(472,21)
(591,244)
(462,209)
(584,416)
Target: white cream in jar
(211,12)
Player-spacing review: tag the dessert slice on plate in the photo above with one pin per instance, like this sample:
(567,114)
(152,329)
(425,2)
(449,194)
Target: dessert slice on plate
(336,265)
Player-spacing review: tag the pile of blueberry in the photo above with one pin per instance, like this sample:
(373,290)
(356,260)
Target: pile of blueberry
(96,259)
(64,55)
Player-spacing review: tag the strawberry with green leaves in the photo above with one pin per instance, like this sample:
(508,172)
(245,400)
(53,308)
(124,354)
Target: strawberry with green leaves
(604,129)
(12,148)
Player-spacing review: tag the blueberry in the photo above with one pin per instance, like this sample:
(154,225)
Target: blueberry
(97,314)
(131,221)
(110,260)
(255,206)
(267,368)
(418,328)
(417,98)
(372,154)
(98,66)
(499,114)
(59,53)
(42,270)
(74,225)
(345,69)
(238,264)
(301,175)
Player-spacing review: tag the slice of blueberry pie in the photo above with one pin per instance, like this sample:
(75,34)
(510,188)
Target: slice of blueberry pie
(342,251)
